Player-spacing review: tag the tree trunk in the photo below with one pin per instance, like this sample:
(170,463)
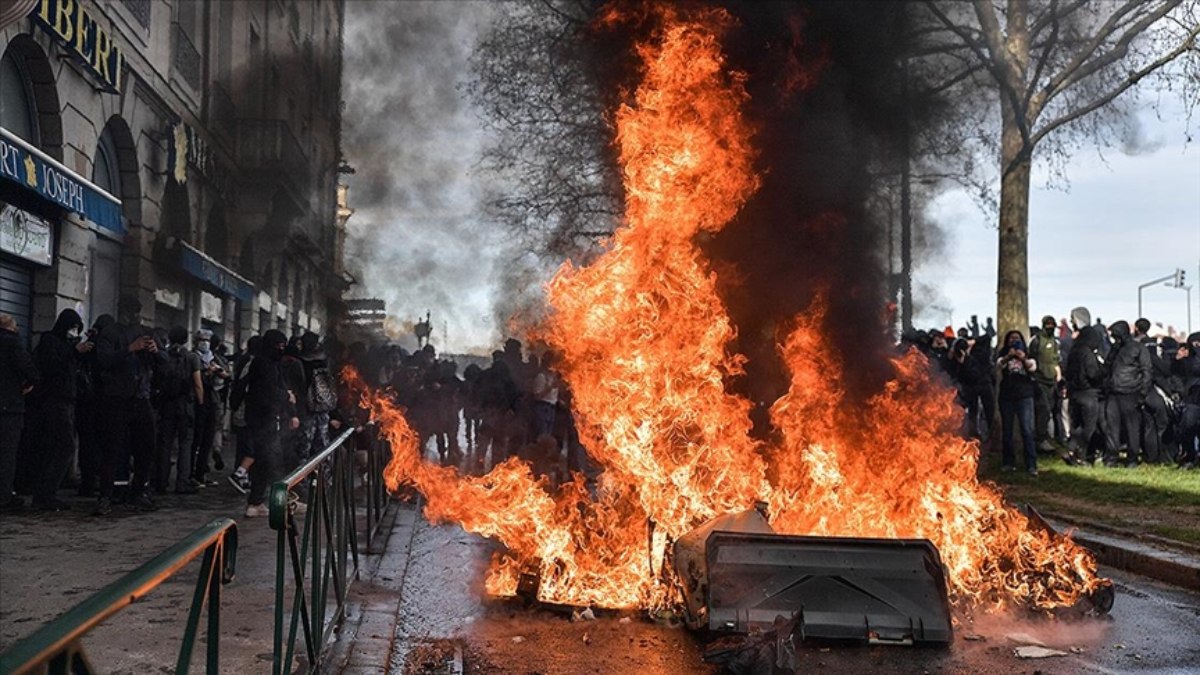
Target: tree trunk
(1012,282)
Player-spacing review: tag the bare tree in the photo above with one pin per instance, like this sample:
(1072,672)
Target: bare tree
(1060,68)
(535,80)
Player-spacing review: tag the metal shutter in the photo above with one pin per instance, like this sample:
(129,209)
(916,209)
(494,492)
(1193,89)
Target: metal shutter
(16,295)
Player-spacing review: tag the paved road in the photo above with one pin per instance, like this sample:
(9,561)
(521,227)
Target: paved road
(50,562)
(1153,628)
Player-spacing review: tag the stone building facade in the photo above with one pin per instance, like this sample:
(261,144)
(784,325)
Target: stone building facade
(183,151)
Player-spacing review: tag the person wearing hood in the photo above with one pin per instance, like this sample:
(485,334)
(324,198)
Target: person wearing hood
(1129,377)
(57,359)
(1156,420)
(87,406)
(270,414)
(180,389)
(1045,349)
(319,401)
(18,377)
(1186,366)
(1017,391)
(213,373)
(1085,380)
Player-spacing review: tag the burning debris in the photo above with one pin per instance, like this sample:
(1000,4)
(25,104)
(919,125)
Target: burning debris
(675,445)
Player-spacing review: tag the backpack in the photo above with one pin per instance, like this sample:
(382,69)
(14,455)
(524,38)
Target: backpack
(174,378)
(322,390)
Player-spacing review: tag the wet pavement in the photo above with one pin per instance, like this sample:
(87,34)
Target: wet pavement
(1153,628)
(50,562)
(422,607)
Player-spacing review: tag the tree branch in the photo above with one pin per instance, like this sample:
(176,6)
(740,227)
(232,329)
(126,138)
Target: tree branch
(1188,43)
(1071,72)
(1051,43)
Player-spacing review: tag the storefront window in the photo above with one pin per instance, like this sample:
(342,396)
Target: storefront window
(16,114)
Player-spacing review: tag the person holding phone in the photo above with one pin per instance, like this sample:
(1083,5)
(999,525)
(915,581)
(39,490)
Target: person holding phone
(1017,392)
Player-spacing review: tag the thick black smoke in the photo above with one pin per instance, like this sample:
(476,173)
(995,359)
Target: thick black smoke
(826,99)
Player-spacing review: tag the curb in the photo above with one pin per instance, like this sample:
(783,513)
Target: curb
(1177,568)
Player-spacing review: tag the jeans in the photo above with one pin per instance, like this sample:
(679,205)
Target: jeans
(1019,411)
(10,440)
(1124,414)
(175,426)
(1189,433)
(128,425)
(269,462)
(56,445)
(1086,407)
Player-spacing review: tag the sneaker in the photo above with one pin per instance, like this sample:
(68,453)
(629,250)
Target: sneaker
(257,510)
(1008,468)
(218,460)
(192,482)
(143,502)
(240,482)
(103,507)
(1032,472)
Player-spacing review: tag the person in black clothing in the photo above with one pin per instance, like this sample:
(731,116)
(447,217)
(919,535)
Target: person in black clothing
(971,364)
(497,396)
(1017,391)
(1156,418)
(1129,380)
(244,459)
(1085,379)
(53,409)
(270,413)
(125,355)
(87,415)
(1186,366)
(18,376)
(180,389)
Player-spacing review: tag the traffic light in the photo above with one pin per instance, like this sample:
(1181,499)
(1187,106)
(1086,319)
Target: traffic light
(1179,274)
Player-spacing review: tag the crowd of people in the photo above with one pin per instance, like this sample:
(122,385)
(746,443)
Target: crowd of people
(511,407)
(124,413)
(1115,395)
(143,411)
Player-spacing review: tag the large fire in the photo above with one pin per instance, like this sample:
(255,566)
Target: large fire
(644,344)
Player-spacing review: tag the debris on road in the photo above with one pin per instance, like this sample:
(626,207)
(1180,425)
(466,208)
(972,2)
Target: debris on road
(1035,652)
(974,637)
(518,639)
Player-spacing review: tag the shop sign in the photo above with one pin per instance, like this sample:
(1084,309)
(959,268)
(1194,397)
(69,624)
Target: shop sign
(25,235)
(188,148)
(91,45)
(215,274)
(25,165)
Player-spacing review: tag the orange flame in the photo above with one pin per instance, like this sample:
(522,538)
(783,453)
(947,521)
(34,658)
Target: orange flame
(644,339)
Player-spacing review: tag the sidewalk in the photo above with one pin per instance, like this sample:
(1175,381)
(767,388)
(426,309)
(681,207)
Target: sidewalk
(1174,563)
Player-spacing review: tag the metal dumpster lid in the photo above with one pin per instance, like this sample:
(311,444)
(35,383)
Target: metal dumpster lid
(878,590)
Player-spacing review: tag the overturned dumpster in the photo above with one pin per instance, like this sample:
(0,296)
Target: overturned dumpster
(741,578)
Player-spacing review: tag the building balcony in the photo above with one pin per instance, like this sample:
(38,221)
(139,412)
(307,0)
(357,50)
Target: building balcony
(268,153)
(185,59)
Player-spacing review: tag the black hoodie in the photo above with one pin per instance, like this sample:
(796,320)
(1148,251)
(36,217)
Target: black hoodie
(1129,363)
(57,359)
(1085,372)
(267,393)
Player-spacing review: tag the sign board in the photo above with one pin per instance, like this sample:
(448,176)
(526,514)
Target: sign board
(25,235)
(77,31)
(204,268)
(33,170)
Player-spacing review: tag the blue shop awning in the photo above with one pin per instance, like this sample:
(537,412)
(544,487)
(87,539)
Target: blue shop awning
(213,273)
(37,172)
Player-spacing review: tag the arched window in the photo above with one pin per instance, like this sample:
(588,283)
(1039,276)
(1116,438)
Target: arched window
(106,172)
(16,110)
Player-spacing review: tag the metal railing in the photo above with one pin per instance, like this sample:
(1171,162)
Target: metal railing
(321,557)
(56,648)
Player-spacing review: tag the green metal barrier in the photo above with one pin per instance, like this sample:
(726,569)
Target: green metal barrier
(56,648)
(323,554)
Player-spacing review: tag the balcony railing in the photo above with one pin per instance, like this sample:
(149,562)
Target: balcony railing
(270,149)
(222,111)
(184,57)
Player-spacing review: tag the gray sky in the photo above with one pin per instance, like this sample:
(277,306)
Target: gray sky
(417,242)
(1124,221)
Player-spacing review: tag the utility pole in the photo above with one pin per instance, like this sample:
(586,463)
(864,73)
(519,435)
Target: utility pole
(1176,281)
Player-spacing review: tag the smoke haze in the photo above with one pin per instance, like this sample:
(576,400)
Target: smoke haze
(416,239)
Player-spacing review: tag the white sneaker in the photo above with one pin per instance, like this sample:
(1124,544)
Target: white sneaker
(256,510)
